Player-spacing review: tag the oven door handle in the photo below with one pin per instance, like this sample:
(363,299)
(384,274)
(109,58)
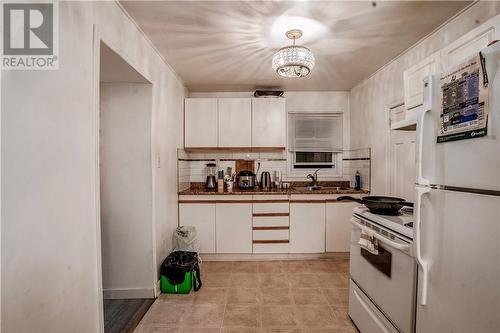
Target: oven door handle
(389,242)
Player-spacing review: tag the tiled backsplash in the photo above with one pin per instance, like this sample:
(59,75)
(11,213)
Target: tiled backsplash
(357,160)
(192,166)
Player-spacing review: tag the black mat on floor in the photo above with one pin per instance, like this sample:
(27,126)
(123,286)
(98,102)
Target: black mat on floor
(123,315)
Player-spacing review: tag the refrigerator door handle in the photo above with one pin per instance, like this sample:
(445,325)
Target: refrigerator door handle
(417,243)
(420,141)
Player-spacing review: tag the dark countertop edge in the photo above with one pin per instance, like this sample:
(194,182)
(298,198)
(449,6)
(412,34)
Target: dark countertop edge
(290,192)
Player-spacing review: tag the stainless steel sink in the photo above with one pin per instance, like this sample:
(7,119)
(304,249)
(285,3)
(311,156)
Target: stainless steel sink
(318,188)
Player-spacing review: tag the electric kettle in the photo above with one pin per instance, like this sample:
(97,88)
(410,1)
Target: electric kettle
(265,180)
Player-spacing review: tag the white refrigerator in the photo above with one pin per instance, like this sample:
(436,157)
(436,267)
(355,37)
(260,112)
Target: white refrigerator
(457,218)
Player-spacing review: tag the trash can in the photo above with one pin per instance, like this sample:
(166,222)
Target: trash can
(180,272)
(185,239)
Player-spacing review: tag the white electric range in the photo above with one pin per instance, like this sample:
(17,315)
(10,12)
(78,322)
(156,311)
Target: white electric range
(383,287)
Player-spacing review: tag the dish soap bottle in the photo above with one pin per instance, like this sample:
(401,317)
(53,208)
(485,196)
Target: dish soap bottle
(357,181)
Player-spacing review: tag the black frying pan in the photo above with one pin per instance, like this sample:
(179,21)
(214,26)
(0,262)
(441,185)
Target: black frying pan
(380,204)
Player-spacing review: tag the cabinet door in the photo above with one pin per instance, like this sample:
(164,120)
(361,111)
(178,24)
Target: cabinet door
(338,225)
(233,227)
(402,164)
(470,43)
(201,216)
(413,80)
(268,122)
(307,227)
(200,122)
(235,122)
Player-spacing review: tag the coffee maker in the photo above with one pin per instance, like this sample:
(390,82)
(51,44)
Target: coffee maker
(211,182)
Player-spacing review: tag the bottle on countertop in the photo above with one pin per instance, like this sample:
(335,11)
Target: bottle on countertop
(357,181)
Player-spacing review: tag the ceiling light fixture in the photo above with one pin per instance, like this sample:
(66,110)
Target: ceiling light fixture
(294,60)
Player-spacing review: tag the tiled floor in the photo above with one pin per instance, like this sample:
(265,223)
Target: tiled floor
(276,296)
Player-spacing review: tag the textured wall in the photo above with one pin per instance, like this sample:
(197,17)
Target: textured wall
(50,265)
(369,100)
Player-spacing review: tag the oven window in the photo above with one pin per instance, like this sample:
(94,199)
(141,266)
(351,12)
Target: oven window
(381,261)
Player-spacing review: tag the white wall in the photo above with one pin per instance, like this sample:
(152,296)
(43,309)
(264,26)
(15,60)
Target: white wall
(370,99)
(126,191)
(50,239)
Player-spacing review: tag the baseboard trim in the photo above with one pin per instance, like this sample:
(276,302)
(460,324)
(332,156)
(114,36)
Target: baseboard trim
(157,288)
(129,293)
(273,256)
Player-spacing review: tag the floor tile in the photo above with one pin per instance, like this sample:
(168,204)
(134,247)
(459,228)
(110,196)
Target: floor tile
(210,295)
(202,315)
(216,280)
(316,316)
(308,296)
(322,267)
(176,298)
(295,266)
(164,313)
(216,267)
(303,280)
(240,330)
(270,267)
(337,297)
(244,267)
(332,280)
(273,281)
(280,296)
(283,330)
(244,280)
(280,316)
(242,316)
(243,296)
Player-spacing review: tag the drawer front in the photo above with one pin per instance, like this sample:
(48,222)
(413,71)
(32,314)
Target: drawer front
(270,248)
(270,235)
(271,221)
(273,207)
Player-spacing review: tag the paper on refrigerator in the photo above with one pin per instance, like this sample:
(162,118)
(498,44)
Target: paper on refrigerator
(464,101)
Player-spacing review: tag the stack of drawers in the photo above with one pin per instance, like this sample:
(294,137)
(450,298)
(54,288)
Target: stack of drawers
(271,225)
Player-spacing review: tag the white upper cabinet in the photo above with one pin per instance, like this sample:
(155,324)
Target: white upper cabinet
(470,43)
(235,122)
(200,122)
(413,78)
(268,122)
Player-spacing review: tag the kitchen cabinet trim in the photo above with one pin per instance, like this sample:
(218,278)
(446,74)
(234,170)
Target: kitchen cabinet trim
(273,241)
(271,228)
(270,214)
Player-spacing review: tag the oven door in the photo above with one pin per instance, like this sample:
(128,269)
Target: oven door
(388,279)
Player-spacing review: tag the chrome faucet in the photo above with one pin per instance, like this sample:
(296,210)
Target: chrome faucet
(314,178)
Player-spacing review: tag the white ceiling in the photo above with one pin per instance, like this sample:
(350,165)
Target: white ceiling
(228,45)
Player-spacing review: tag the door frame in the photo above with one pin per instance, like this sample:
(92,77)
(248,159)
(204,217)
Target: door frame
(97,39)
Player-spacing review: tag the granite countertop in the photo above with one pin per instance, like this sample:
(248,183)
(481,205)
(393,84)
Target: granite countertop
(343,188)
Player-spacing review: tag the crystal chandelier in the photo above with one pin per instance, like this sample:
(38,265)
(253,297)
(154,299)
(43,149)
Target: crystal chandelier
(294,60)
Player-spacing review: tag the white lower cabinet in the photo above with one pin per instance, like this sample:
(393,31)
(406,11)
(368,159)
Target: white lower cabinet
(233,227)
(338,225)
(307,227)
(201,216)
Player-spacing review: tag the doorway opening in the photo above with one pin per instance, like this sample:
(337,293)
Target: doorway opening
(125,171)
